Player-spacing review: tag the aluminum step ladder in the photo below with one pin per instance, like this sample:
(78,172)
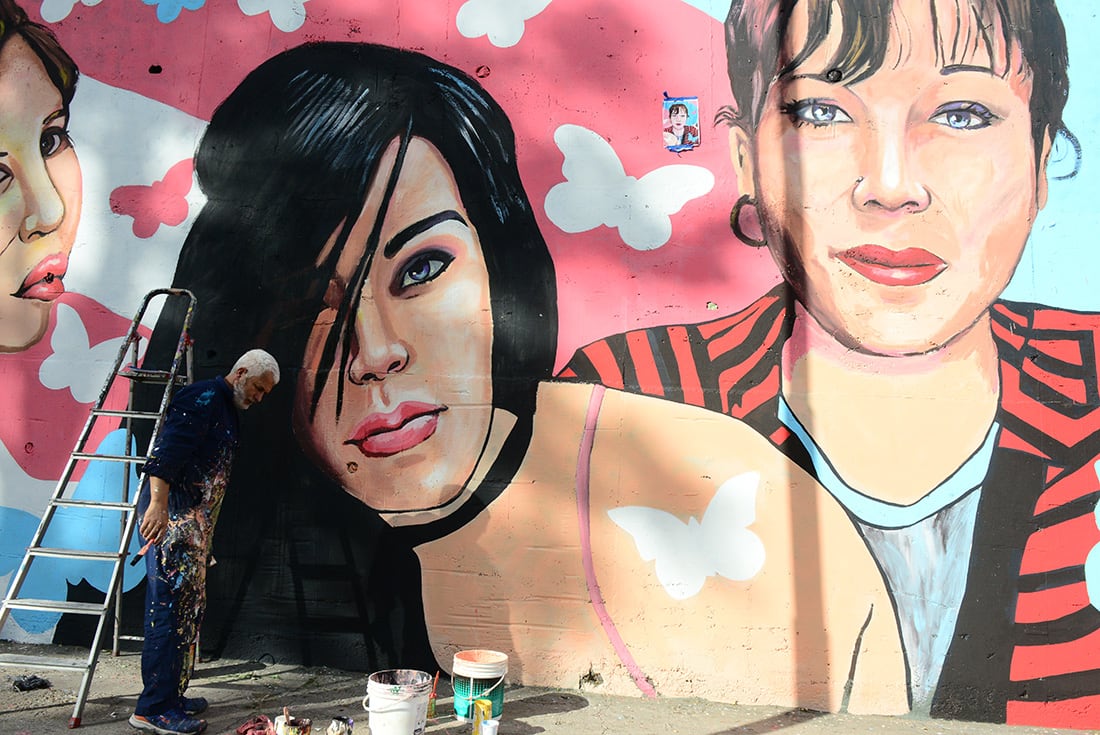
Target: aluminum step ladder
(125,368)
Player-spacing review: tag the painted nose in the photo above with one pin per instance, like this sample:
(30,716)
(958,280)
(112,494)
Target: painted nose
(890,183)
(43,208)
(378,352)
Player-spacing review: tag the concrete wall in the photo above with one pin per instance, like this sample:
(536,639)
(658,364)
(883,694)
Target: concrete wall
(571,414)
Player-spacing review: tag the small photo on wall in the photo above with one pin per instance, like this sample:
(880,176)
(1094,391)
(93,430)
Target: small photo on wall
(681,123)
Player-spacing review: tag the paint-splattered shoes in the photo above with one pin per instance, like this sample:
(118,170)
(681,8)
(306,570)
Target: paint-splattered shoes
(172,722)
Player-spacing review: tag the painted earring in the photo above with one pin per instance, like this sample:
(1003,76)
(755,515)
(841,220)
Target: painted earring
(735,222)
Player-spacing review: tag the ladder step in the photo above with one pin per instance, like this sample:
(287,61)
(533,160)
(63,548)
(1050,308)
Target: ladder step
(139,375)
(92,504)
(109,457)
(72,553)
(125,414)
(43,662)
(61,606)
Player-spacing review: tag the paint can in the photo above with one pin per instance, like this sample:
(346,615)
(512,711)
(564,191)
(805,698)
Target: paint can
(478,674)
(287,725)
(397,701)
(340,726)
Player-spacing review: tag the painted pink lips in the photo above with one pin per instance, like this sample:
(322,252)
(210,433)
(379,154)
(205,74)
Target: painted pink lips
(44,282)
(386,434)
(908,267)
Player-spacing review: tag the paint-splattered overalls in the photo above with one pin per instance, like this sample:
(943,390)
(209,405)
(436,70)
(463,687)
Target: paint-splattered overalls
(194,454)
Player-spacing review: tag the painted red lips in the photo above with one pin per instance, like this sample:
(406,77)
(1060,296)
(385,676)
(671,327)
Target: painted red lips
(908,267)
(44,282)
(386,434)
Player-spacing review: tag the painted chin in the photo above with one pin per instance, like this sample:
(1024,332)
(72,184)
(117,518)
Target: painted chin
(23,323)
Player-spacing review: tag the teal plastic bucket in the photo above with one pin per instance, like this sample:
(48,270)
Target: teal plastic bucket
(478,675)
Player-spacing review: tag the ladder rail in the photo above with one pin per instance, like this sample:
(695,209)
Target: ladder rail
(183,353)
(124,531)
(126,505)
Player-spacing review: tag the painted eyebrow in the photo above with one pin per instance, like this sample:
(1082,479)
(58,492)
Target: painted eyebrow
(817,77)
(957,68)
(401,239)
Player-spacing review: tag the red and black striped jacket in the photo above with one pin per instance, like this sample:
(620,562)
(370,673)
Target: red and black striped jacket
(1027,643)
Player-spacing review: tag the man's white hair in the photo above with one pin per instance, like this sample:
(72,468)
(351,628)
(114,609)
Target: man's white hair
(257,362)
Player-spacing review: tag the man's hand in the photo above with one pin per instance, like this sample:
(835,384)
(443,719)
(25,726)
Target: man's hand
(155,521)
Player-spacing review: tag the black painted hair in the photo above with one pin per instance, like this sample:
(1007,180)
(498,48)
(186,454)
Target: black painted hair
(291,154)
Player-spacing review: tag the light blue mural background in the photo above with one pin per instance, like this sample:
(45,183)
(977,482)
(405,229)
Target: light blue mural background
(1061,265)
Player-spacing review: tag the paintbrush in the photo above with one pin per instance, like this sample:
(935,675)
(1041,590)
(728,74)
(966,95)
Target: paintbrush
(140,554)
(431,697)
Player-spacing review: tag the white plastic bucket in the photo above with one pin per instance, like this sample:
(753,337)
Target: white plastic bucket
(397,701)
(478,674)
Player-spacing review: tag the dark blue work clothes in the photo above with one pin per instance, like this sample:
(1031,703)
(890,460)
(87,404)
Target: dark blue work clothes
(194,454)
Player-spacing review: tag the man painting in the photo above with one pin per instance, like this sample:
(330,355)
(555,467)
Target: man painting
(187,474)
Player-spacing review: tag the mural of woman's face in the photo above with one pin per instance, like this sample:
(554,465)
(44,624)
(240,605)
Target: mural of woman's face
(417,392)
(899,205)
(40,193)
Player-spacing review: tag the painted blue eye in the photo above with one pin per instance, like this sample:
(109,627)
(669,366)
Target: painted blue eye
(423,268)
(964,116)
(815,112)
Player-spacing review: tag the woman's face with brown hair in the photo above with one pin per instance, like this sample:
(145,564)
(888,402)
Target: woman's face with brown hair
(40,193)
(898,206)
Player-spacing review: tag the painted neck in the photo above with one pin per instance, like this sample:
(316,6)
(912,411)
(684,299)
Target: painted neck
(815,359)
(893,427)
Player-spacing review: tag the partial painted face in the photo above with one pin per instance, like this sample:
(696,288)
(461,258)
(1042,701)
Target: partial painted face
(899,206)
(40,192)
(249,390)
(417,389)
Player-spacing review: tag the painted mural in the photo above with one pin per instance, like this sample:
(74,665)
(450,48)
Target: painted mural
(786,396)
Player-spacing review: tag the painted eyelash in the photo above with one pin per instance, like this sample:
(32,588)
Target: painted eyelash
(420,259)
(976,108)
(791,108)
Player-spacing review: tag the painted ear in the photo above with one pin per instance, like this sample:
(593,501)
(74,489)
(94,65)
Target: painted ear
(1042,186)
(743,159)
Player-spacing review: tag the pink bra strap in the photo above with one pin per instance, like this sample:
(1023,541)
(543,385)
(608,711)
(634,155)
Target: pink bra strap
(584,459)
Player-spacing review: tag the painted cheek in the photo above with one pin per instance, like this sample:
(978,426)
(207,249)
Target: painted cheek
(72,190)
(10,207)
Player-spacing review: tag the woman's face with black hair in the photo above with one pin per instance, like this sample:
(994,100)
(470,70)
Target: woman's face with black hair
(417,389)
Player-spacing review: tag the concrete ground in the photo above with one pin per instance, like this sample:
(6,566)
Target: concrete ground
(239,690)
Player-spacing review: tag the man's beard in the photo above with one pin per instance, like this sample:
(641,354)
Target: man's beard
(240,399)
